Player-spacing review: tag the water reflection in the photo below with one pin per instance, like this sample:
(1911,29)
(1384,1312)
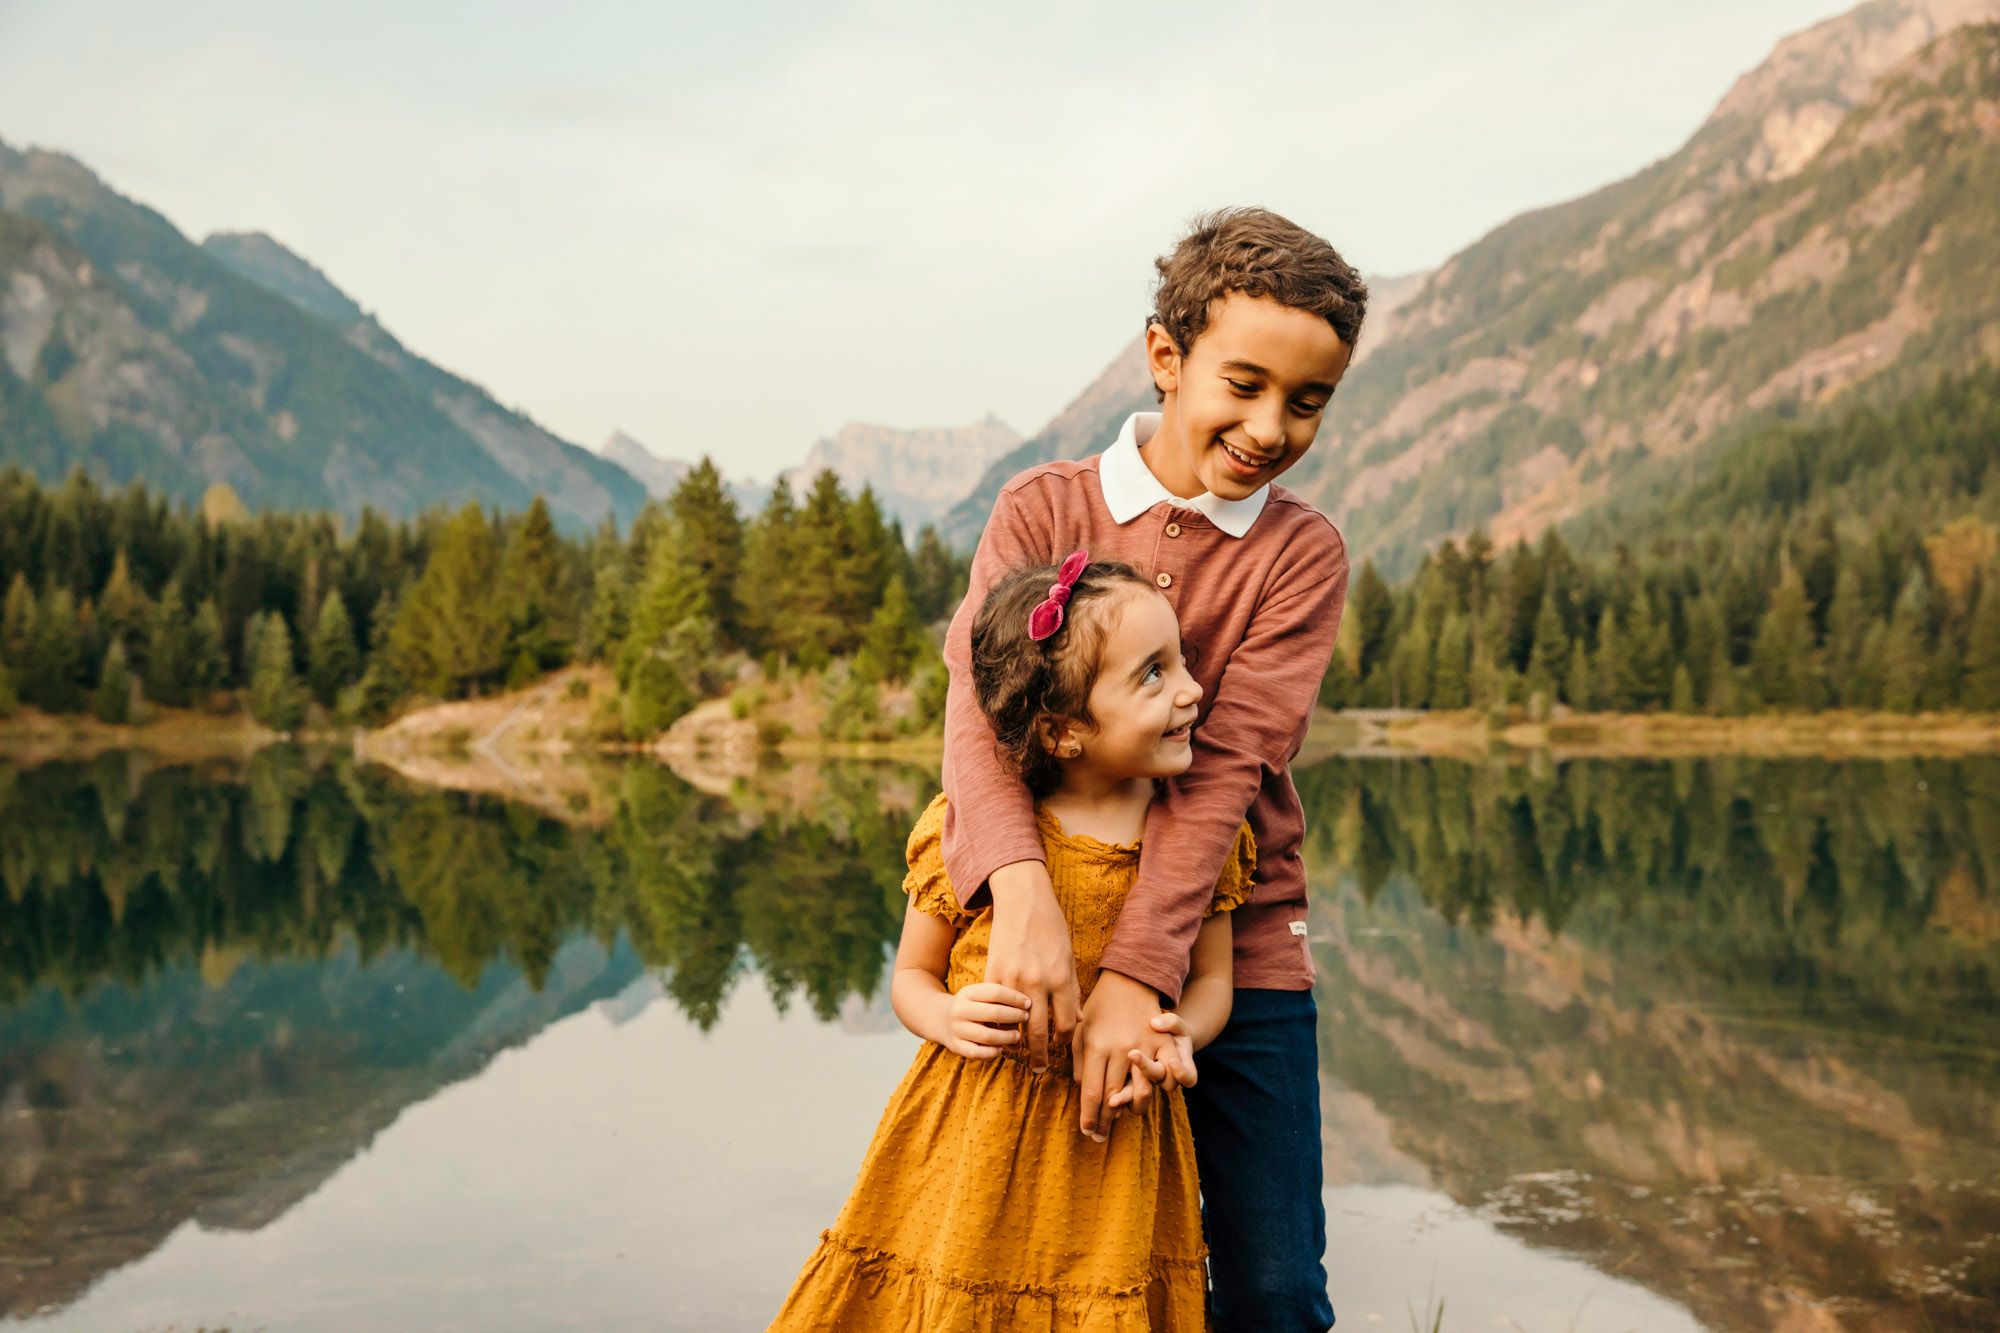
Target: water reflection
(1728,1030)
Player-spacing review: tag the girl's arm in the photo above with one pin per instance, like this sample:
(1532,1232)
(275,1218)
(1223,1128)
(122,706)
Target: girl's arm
(978,1022)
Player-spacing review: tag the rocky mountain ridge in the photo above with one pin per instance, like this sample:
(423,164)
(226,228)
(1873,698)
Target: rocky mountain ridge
(130,351)
(1829,227)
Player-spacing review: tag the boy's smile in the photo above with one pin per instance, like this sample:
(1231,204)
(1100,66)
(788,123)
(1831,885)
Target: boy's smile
(1245,403)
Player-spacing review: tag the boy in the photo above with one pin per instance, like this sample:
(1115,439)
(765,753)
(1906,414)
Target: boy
(1253,325)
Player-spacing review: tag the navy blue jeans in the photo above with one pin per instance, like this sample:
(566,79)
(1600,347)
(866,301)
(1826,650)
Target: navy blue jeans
(1255,1113)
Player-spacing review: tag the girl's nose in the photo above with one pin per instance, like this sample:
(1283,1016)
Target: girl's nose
(1190,692)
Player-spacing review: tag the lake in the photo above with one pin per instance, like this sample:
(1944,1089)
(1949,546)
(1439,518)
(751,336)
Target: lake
(1606,1046)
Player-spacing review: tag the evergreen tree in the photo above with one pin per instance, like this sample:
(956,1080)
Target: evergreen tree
(331,657)
(1580,686)
(1682,698)
(766,590)
(112,701)
(170,668)
(450,632)
(208,658)
(1980,690)
(51,676)
(711,534)
(1410,668)
(1784,638)
(17,623)
(1846,632)
(123,611)
(1724,699)
(1374,612)
(1450,682)
(540,632)
(897,640)
(10,698)
(277,699)
(656,698)
(1904,651)
(1649,657)
(936,580)
(1612,688)
(1548,655)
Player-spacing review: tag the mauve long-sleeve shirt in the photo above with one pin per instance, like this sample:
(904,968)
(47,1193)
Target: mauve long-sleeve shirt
(1262,610)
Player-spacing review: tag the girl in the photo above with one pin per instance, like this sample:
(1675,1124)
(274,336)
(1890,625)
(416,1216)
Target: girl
(979,1207)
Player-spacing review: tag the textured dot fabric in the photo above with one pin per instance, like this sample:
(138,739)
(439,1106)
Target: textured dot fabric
(979,1207)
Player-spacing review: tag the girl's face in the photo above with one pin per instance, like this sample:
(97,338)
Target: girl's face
(1144,700)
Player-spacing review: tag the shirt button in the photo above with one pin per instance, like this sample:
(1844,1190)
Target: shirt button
(1173,529)
(1164,580)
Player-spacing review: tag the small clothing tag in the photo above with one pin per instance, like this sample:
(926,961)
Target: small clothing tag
(1299,928)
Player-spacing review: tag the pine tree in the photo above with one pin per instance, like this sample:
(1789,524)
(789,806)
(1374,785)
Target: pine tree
(711,533)
(169,674)
(897,640)
(936,581)
(123,611)
(540,633)
(17,623)
(1580,686)
(51,673)
(766,590)
(1980,689)
(1548,656)
(1374,613)
(450,631)
(277,699)
(1648,656)
(1778,662)
(331,657)
(112,701)
(1682,698)
(208,658)
(1904,651)
(1450,684)
(1612,688)
(1846,632)
(656,698)
(1724,700)
(1410,668)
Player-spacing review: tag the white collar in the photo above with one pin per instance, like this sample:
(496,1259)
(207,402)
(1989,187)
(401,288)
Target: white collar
(1130,488)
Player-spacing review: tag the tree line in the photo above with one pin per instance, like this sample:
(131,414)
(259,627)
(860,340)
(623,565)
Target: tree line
(116,597)
(1845,565)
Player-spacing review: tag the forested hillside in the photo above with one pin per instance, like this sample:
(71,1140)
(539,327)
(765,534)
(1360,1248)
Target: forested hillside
(1844,565)
(128,350)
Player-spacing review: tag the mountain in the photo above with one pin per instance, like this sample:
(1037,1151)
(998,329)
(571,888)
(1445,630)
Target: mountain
(917,475)
(658,475)
(1828,229)
(128,350)
(1093,420)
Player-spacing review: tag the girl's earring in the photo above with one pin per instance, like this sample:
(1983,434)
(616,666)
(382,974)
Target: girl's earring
(1071,750)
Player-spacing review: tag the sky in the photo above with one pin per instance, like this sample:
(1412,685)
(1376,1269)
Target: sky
(728,229)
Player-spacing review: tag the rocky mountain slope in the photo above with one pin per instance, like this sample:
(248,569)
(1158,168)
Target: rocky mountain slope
(917,475)
(1829,227)
(658,475)
(131,351)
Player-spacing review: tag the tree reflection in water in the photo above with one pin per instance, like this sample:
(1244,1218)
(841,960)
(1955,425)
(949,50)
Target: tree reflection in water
(1728,1027)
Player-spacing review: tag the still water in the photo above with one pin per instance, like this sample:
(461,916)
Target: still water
(1606,1046)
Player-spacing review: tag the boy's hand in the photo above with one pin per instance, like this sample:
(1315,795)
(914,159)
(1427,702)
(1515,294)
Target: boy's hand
(984,1020)
(1030,954)
(1117,1020)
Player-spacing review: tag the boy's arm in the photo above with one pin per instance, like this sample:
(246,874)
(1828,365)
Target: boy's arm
(1263,705)
(999,850)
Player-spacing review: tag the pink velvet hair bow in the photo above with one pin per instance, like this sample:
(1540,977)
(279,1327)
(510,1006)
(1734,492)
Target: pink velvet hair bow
(1047,618)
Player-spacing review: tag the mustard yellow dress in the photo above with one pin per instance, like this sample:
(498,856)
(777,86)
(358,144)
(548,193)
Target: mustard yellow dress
(979,1207)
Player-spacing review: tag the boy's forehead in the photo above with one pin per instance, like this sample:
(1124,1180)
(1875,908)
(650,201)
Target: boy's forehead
(1274,337)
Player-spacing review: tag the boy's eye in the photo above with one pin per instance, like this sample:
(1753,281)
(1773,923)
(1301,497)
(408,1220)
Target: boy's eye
(1152,675)
(1243,388)
(1308,407)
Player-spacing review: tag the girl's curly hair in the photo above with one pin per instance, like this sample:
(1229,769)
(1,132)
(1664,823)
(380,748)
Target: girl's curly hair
(1023,685)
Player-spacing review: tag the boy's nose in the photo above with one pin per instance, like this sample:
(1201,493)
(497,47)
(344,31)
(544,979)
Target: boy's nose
(1190,693)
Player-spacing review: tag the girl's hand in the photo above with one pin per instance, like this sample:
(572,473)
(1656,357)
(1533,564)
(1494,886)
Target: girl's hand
(1178,1055)
(985,1019)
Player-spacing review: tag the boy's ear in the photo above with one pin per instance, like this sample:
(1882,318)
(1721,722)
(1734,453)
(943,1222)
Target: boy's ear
(1163,358)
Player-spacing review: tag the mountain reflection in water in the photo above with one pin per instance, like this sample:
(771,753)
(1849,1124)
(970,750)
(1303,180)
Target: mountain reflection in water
(1726,1029)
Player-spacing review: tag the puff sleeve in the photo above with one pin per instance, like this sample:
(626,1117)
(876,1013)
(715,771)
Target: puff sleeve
(1235,887)
(927,884)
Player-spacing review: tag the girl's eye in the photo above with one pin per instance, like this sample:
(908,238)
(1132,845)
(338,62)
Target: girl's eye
(1153,675)
(1308,409)
(1245,389)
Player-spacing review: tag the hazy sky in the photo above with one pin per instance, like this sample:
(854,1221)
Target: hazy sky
(730,228)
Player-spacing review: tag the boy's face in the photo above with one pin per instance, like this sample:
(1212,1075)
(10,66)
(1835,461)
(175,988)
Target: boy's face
(1245,402)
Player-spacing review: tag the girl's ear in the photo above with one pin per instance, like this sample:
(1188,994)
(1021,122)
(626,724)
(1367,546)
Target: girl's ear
(1062,738)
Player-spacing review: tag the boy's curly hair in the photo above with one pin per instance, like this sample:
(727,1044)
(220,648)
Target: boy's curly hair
(1258,253)
(1022,685)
